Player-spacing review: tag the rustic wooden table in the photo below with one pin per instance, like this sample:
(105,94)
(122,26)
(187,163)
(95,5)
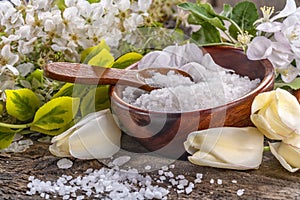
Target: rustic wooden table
(270,181)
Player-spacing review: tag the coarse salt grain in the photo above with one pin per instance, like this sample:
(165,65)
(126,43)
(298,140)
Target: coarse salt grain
(64,163)
(240,192)
(115,183)
(121,160)
(219,88)
(171,79)
(18,146)
(111,183)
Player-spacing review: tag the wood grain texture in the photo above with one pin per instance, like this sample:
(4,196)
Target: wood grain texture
(165,132)
(95,75)
(270,181)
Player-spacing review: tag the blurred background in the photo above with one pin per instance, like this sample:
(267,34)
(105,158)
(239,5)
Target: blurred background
(278,4)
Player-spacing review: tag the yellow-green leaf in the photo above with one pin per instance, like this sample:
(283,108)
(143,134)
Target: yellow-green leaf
(96,99)
(53,132)
(61,4)
(88,53)
(65,90)
(127,60)
(56,113)
(1,108)
(6,139)
(22,103)
(102,59)
(72,90)
(37,74)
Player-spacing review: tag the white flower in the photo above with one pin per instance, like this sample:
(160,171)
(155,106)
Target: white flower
(133,22)
(226,147)
(276,114)
(95,136)
(267,22)
(280,55)
(26,47)
(287,155)
(122,5)
(141,5)
(7,60)
(10,17)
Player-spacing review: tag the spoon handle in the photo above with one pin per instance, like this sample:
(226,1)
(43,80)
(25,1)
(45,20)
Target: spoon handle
(87,74)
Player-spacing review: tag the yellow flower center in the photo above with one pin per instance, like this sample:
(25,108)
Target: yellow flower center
(294,35)
(244,38)
(267,12)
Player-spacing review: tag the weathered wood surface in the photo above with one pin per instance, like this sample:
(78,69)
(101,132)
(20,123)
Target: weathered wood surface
(270,181)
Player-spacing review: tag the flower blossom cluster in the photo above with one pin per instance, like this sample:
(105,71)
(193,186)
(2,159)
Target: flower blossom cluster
(278,40)
(42,29)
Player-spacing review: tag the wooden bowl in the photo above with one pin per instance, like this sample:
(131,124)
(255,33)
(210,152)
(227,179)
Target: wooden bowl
(164,132)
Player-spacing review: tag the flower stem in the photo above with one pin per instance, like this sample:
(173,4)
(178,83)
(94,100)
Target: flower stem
(266,148)
(15,126)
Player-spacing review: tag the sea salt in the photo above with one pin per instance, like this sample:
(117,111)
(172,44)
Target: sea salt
(121,160)
(171,79)
(148,167)
(234,181)
(179,95)
(105,183)
(116,183)
(240,192)
(18,146)
(64,163)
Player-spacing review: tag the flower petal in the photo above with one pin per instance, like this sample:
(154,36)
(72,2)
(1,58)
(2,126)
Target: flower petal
(262,100)
(264,127)
(289,74)
(226,147)
(274,147)
(269,27)
(259,48)
(288,109)
(290,8)
(99,138)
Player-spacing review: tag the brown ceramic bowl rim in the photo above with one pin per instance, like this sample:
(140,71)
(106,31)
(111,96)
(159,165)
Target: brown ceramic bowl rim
(268,77)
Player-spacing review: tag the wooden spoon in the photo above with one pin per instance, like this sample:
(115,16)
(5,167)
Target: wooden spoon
(94,75)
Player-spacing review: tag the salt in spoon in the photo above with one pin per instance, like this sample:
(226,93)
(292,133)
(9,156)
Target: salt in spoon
(95,75)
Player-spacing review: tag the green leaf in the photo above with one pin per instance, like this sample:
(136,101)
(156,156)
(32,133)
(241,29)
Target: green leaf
(102,59)
(22,103)
(195,19)
(65,90)
(295,84)
(56,113)
(60,4)
(205,12)
(94,1)
(227,11)
(6,139)
(206,34)
(89,53)
(37,74)
(96,99)
(73,90)
(244,14)
(127,60)
(1,108)
(53,132)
